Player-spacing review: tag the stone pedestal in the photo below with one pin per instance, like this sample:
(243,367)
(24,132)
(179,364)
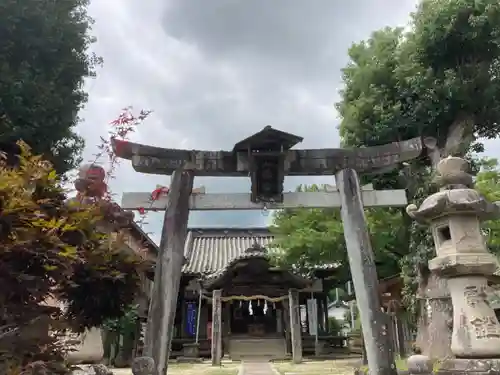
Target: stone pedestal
(191,350)
(419,365)
(319,348)
(454,215)
(143,366)
(462,366)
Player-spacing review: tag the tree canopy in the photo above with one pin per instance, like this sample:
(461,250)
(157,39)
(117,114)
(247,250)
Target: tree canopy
(439,79)
(488,183)
(43,62)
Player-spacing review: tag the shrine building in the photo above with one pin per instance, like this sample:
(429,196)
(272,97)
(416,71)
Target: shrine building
(254,299)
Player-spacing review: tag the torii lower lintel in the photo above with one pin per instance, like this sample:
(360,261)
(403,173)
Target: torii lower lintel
(241,201)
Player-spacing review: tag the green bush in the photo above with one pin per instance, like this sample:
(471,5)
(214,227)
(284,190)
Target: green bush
(57,271)
(334,326)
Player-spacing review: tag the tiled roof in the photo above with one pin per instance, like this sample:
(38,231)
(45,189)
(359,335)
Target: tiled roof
(210,250)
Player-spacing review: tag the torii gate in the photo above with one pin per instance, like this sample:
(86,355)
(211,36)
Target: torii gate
(267,157)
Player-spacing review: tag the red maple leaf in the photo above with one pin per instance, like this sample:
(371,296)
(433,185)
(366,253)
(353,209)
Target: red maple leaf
(158,192)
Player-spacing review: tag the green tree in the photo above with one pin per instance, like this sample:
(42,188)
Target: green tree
(440,79)
(488,183)
(310,238)
(125,327)
(43,62)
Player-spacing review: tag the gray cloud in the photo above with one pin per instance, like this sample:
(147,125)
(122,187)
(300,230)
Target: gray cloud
(217,71)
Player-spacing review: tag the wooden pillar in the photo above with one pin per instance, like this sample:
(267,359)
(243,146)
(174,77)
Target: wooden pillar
(296,334)
(279,320)
(169,262)
(321,315)
(364,274)
(226,327)
(286,321)
(198,315)
(307,329)
(327,320)
(204,313)
(400,334)
(216,328)
(314,320)
(181,319)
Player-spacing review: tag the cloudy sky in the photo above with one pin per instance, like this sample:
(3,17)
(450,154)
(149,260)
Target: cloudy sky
(216,71)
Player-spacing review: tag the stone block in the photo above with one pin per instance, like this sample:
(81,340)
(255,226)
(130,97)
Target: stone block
(462,366)
(419,364)
(92,370)
(143,366)
(89,348)
(319,348)
(464,264)
(191,350)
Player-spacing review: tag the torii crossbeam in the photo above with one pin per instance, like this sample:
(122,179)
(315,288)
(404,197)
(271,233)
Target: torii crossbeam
(266,157)
(312,162)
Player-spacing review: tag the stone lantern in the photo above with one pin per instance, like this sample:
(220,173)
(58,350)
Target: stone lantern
(454,215)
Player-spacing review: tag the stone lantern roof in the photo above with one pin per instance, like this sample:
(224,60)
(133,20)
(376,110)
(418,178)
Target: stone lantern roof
(456,195)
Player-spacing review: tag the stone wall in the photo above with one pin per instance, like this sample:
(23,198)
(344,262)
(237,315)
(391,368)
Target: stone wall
(90,349)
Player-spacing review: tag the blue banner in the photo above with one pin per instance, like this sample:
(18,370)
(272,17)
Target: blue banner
(191,318)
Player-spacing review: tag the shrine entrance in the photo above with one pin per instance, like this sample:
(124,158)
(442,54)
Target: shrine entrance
(253,318)
(253,302)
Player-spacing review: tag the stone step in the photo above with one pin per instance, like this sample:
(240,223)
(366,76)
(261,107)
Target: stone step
(268,348)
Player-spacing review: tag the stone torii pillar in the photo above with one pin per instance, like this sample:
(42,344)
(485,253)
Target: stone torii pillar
(168,268)
(454,215)
(216,349)
(295,331)
(374,323)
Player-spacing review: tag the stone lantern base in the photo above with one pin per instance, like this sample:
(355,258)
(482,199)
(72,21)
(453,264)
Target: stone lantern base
(466,366)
